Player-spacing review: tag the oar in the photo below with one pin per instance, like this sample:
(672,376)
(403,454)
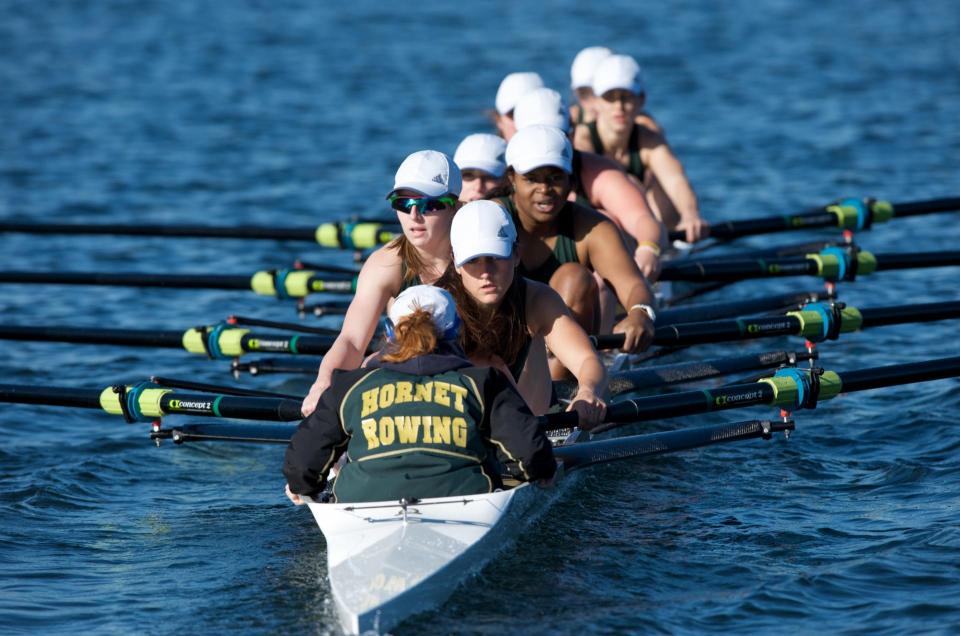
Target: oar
(282,283)
(831,264)
(576,456)
(573,456)
(217,342)
(686,313)
(652,377)
(146,401)
(339,235)
(816,322)
(849,214)
(789,389)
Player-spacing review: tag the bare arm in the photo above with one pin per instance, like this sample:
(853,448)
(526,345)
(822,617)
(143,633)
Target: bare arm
(673,179)
(378,281)
(548,316)
(612,192)
(610,259)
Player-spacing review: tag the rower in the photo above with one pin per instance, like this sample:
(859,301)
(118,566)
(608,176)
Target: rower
(562,243)
(601,183)
(581,81)
(419,421)
(424,194)
(621,134)
(511,89)
(481,163)
(509,321)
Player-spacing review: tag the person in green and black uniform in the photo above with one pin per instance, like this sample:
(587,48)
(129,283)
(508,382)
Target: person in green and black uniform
(420,421)
(600,182)
(623,133)
(425,196)
(563,244)
(508,320)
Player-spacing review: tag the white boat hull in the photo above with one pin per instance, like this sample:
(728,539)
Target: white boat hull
(385,566)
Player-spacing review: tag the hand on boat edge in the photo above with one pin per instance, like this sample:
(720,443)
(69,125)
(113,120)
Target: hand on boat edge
(292,496)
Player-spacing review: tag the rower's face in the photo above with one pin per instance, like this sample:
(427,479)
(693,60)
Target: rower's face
(476,184)
(618,107)
(488,278)
(506,126)
(422,227)
(540,194)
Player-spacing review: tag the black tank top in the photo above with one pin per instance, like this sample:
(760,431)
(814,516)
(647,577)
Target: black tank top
(636,167)
(564,250)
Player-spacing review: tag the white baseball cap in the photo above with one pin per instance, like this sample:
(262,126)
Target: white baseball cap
(482,228)
(543,106)
(482,152)
(513,87)
(581,71)
(430,173)
(538,145)
(618,72)
(437,301)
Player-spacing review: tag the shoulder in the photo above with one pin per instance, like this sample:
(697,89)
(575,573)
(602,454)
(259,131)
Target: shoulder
(581,138)
(544,304)
(384,266)
(647,121)
(586,219)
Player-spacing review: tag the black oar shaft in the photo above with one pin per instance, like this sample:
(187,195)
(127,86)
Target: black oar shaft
(932,206)
(85,335)
(897,374)
(814,218)
(891,261)
(668,374)
(729,309)
(762,393)
(196,231)
(576,456)
(899,314)
(179,281)
(52,396)
(738,269)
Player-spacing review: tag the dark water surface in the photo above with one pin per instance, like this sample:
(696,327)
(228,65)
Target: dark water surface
(297,112)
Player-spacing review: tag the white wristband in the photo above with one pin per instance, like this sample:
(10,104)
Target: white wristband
(646,308)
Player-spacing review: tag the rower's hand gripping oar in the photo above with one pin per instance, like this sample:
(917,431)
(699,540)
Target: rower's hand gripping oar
(846,214)
(816,322)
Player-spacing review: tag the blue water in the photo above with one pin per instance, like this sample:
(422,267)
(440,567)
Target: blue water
(297,112)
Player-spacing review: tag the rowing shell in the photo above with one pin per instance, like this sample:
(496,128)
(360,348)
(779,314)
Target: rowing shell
(390,560)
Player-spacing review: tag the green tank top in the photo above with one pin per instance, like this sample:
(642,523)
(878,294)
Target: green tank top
(413,436)
(636,167)
(516,367)
(564,250)
(581,191)
(404,282)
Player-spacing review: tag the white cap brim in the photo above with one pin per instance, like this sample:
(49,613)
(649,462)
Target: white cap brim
(554,161)
(492,168)
(498,248)
(426,188)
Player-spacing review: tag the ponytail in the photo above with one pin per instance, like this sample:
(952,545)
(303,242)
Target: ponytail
(415,335)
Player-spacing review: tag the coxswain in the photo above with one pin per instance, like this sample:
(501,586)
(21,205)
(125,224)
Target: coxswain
(581,82)
(419,420)
(509,321)
(425,196)
(481,163)
(562,243)
(619,134)
(601,183)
